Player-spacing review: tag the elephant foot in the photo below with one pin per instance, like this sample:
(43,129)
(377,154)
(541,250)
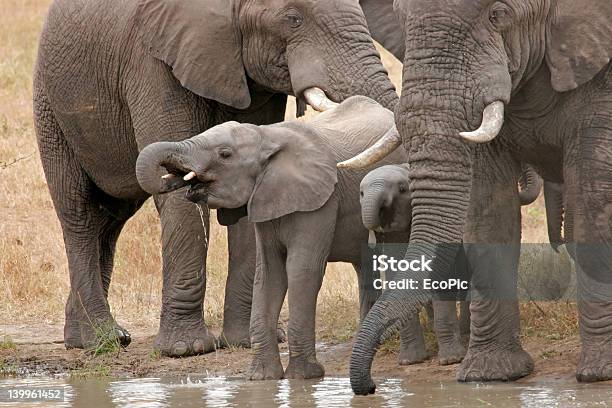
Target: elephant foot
(265,369)
(86,334)
(238,336)
(452,353)
(595,364)
(304,368)
(412,355)
(499,365)
(182,339)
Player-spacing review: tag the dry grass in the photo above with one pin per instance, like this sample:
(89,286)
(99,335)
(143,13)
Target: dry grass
(33,269)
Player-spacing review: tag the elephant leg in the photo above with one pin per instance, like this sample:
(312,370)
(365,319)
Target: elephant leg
(589,234)
(464,321)
(239,286)
(182,331)
(82,219)
(269,290)
(493,236)
(305,274)
(412,342)
(121,211)
(446,327)
(367,294)
(308,249)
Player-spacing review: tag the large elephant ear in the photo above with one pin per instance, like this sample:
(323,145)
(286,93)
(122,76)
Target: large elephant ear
(300,174)
(198,39)
(579,41)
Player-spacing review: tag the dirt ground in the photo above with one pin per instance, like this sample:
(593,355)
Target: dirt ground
(38,350)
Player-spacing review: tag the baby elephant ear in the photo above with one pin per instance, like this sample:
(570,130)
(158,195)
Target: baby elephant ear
(197,38)
(579,41)
(300,174)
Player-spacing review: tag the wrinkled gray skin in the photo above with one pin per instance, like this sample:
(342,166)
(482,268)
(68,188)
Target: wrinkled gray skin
(385,208)
(115,76)
(306,213)
(548,62)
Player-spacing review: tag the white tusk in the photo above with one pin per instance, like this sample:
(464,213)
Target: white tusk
(316,98)
(190,176)
(167,176)
(372,239)
(381,149)
(492,122)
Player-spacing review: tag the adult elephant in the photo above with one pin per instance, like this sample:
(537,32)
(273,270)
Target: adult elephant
(115,76)
(535,75)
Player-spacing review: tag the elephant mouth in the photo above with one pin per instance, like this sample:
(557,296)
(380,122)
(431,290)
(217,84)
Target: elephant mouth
(198,193)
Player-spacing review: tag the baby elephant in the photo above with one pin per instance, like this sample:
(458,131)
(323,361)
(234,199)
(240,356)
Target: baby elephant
(306,212)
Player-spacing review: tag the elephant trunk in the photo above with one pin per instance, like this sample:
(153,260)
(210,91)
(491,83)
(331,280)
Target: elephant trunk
(361,71)
(155,163)
(440,185)
(372,202)
(531,185)
(438,220)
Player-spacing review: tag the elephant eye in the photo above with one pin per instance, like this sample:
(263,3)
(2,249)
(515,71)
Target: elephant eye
(500,15)
(225,154)
(402,189)
(294,20)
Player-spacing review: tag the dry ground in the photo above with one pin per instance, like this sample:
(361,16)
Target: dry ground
(33,269)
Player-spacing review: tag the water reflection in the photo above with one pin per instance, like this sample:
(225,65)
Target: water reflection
(330,392)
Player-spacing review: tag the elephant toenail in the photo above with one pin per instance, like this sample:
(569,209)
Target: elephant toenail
(180,348)
(198,346)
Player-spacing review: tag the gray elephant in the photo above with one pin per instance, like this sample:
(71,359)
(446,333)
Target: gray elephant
(535,78)
(114,76)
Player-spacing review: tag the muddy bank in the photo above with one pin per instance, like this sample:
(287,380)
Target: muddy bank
(37,350)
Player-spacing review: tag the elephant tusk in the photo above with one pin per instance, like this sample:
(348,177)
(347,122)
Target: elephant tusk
(167,176)
(381,149)
(372,239)
(492,122)
(316,98)
(190,176)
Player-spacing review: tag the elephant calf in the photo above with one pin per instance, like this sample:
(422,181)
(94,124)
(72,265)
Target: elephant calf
(305,211)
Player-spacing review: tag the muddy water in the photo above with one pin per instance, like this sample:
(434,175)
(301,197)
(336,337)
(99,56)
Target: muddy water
(330,392)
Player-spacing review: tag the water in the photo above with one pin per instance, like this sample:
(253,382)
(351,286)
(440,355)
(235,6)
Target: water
(329,392)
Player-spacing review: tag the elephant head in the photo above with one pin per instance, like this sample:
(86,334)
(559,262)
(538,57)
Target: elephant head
(224,49)
(464,61)
(263,171)
(385,199)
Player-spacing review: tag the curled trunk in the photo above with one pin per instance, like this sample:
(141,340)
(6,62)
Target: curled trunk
(154,164)
(371,204)
(530,185)
(553,199)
